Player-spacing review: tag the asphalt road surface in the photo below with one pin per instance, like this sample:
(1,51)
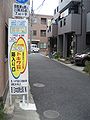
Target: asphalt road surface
(59,92)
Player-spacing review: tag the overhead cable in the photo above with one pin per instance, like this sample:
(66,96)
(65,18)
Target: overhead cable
(40,5)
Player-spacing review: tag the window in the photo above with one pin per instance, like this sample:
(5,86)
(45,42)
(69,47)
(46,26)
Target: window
(54,11)
(64,22)
(61,23)
(57,9)
(59,18)
(34,20)
(74,9)
(43,33)
(43,45)
(34,32)
(43,21)
(88,38)
(50,28)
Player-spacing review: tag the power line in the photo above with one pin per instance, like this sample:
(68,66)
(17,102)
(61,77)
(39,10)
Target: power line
(39,9)
(40,5)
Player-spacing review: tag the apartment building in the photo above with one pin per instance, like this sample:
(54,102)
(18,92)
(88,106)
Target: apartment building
(73,26)
(39,27)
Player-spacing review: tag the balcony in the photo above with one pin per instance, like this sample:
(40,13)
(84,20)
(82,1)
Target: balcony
(52,31)
(88,22)
(66,3)
(71,23)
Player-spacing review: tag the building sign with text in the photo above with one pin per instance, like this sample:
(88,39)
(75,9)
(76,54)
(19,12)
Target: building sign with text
(20,10)
(21,1)
(17,56)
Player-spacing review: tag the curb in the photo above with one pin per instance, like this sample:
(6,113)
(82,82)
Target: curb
(79,69)
(62,61)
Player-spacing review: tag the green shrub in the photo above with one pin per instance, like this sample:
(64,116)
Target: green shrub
(87,67)
(56,55)
(2,114)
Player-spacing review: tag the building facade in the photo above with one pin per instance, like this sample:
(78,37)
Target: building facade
(73,26)
(5,13)
(52,31)
(39,27)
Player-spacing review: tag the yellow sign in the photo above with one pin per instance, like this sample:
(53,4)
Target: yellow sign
(18,57)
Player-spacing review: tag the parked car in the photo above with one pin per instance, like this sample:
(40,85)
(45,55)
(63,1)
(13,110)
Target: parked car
(34,48)
(80,59)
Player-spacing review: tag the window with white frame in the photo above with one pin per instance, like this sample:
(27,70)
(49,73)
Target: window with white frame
(43,45)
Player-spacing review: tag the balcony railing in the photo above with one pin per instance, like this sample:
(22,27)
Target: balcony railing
(53,31)
(71,23)
(88,22)
(64,4)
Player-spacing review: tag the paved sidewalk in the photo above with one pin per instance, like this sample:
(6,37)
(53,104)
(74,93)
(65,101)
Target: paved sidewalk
(14,112)
(78,68)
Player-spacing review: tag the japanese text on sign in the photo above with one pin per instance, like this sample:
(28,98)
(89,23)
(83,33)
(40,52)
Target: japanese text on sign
(20,10)
(17,56)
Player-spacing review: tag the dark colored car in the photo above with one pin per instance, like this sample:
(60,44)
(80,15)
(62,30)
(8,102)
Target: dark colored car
(80,59)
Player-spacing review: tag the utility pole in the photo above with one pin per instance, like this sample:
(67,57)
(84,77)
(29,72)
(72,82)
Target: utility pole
(31,22)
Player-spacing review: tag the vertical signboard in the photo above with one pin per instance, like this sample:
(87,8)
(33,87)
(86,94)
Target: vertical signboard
(18,56)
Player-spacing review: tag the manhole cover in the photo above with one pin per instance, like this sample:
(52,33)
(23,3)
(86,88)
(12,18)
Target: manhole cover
(51,114)
(38,85)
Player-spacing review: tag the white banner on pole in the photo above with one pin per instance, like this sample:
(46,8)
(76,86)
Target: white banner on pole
(18,56)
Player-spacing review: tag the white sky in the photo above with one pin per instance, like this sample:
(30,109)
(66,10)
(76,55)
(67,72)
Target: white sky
(47,8)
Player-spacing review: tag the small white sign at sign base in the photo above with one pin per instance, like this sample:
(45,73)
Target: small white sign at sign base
(27,106)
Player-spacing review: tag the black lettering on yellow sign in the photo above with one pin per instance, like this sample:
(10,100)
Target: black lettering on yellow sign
(13,62)
(18,57)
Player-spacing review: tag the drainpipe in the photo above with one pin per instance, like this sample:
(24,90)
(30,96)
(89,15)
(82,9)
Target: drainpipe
(81,14)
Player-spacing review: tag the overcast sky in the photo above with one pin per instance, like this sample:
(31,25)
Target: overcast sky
(47,8)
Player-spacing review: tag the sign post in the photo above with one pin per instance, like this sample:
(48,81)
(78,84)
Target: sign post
(18,54)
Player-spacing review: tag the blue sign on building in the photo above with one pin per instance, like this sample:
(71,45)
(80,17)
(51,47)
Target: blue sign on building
(21,1)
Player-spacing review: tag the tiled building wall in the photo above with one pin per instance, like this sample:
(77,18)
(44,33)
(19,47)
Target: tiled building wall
(38,27)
